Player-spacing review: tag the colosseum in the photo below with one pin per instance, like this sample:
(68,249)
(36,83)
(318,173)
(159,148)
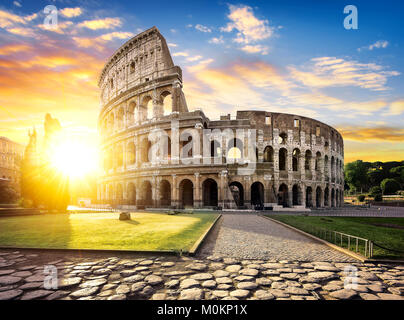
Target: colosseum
(158,154)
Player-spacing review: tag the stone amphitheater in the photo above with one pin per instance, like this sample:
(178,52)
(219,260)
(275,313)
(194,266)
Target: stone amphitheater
(157,153)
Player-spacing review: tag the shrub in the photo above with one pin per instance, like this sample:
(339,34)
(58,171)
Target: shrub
(389,186)
(378,197)
(375,190)
(361,198)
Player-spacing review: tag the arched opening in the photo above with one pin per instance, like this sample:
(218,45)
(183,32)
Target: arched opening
(283,154)
(237,191)
(268,154)
(119,156)
(111,194)
(187,145)
(283,195)
(147,194)
(295,195)
(120,121)
(131,113)
(215,149)
(257,195)
(318,160)
(326,197)
(326,173)
(309,197)
(295,160)
(119,194)
(131,153)
(332,198)
(332,169)
(283,138)
(307,160)
(167,103)
(209,189)
(186,189)
(131,194)
(336,198)
(165,193)
(145,148)
(318,197)
(235,149)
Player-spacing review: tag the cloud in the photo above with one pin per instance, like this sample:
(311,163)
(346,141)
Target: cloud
(17,4)
(180,54)
(106,23)
(14,48)
(202,28)
(100,41)
(172,45)
(59,28)
(332,72)
(361,134)
(377,45)
(255,49)
(194,58)
(25,32)
(71,12)
(397,107)
(249,28)
(216,40)
(8,19)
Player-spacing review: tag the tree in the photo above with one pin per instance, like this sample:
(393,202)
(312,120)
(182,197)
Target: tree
(390,186)
(7,194)
(375,190)
(356,175)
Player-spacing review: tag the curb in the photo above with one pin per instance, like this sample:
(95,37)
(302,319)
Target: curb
(202,238)
(343,250)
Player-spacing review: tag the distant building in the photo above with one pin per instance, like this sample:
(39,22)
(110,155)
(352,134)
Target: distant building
(11,154)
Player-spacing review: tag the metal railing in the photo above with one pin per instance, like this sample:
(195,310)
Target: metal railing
(344,240)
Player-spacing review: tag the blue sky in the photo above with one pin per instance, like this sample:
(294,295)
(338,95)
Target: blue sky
(283,56)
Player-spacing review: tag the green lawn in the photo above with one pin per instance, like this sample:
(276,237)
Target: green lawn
(146,231)
(388,232)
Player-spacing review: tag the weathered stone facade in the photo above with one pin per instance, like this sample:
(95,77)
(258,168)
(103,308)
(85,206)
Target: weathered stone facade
(11,154)
(296,161)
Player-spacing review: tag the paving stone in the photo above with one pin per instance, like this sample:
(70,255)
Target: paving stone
(57,295)
(10,294)
(220,293)
(146,263)
(217,266)
(279,285)
(127,273)
(6,272)
(172,283)
(122,289)
(209,284)
(233,268)
(247,285)
(332,287)
(278,293)
(7,280)
(197,266)
(202,276)
(93,283)
(224,280)
(296,291)
(344,294)
(389,296)
(263,295)
(311,286)
(153,280)
(326,268)
(168,264)
(368,296)
(318,276)
(189,283)
(36,294)
(239,293)
(106,293)
(117,297)
(178,273)
(396,290)
(263,281)
(35,278)
(135,278)
(230,261)
(289,276)
(220,273)
(244,278)
(138,286)
(140,269)
(249,272)
(84,292)
(192,294)
(68,282)
(159,296)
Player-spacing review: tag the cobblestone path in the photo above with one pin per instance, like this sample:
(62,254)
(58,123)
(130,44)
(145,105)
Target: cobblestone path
(254,237)
(86,276)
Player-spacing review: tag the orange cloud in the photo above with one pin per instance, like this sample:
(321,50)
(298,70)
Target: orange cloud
(71,12)
(372,134)
(13,48)
(106,23)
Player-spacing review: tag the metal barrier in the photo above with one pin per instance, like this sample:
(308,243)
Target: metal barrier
(340,239)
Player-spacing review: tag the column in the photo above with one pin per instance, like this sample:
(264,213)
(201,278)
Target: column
(197,195)
(174,195)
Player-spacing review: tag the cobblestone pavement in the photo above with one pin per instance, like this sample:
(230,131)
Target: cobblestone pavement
(254,237)
(86,276)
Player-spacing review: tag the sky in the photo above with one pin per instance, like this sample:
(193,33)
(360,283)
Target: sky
(280,56)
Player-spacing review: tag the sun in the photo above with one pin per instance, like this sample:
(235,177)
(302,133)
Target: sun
(74,159)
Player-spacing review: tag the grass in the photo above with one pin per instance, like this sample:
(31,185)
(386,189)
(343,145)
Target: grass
(146,231)
(388,232)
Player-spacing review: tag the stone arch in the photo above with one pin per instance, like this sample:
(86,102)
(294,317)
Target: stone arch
(283,156)
(283,138)
(131,193)
(268,154)
(165,193)
(235,149)
(296,195)
(326,197)
(283,195)
(131,112)
(131,153)
(295,159)
(332,197)
(319,196)
(186,193)
(318,161)
(237,191)
(257,194)
(146,108)
(309,197)
(146,193)
(145,146)
(326,173)
(215,149)
(187,145)
(210,193)
(307,160)
(166,102)
(119,194)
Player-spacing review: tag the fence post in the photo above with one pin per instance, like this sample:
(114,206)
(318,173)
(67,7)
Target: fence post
(366,248)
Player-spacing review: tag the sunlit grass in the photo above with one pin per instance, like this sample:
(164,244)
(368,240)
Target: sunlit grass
(146,231)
